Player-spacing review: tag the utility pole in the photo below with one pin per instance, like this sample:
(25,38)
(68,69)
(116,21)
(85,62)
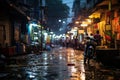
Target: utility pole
(42,17)
(41,24)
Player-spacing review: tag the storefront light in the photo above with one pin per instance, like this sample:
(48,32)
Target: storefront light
(95,15)
(45,34)
(75,28)
(76,22)
(34,25)
(89,21)
(60,35)
(35,33)
(53,35)
(31,25)
(51,32)
(68,32)
(35,38)
(84,25)
(67,35)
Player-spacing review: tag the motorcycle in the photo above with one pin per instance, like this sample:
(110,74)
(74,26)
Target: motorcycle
(89,52)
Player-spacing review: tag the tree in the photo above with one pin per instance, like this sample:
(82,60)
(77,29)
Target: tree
(56,11)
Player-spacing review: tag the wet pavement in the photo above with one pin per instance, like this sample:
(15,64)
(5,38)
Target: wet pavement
(58,64)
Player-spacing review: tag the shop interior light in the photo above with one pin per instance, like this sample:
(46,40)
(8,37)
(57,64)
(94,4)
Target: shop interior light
(76,22)
(35,33)
(75,28)
(54,35)
(95,15)
(68,32)
(36,38)
(51,32)
(89,20)
(45,34)
(84,25)
(33,24)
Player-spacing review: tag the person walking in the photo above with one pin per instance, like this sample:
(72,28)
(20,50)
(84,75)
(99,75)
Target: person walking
(75,42)
(67,42)
(97,38)
(91,36)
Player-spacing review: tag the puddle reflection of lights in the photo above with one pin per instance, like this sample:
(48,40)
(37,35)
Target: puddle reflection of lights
(60,56)
(82,75)
(73,69)
(72,51)
(72,60)
(45,63)
(51,57)
(31,76)
(44,73)
(45,55)
(45,58)
(45,68)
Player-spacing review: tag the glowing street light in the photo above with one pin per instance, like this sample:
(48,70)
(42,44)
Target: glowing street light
(59,20)
(84,25)
(76,22)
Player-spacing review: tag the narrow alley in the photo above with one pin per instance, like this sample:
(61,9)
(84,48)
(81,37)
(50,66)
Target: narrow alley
(59,64)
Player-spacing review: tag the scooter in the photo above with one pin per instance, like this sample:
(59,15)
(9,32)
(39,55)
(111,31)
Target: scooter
(89,54)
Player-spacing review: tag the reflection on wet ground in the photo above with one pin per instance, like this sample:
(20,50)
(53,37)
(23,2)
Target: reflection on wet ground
(58,64)
(102,74)
(97,71)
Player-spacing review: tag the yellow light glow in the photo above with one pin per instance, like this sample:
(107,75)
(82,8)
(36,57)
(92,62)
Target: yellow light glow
(75,28)
(83,22)
(84,25)
(89,20)
(73,69)
(95,15)
(76,22)
(67,35)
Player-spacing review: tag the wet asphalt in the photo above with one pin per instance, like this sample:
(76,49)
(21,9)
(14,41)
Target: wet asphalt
(58,64)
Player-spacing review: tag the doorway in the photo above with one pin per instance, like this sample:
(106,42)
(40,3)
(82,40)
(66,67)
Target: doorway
(2,35)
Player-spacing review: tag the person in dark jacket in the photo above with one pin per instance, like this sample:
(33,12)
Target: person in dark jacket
(97,38)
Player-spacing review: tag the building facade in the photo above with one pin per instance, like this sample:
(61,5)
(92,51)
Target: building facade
(15,16)
(105,18)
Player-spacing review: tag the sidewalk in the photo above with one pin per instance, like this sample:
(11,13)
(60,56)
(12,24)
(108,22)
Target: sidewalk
(97,71)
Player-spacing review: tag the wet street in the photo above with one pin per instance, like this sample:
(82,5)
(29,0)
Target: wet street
(58,64)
